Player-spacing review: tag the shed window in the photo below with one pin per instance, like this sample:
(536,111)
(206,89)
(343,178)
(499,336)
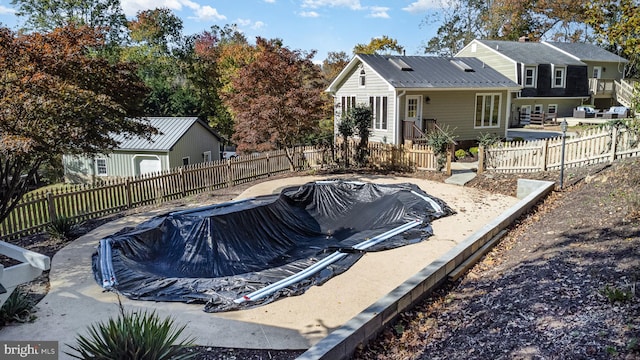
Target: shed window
(206,156)
(101,167)
(487,110)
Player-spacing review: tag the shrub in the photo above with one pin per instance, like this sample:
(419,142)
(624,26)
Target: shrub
(18,307)
(517,139)
(488,139)
(473,151)
(61,228)
(460,154)
(617,295)
(132,336)
(439,140)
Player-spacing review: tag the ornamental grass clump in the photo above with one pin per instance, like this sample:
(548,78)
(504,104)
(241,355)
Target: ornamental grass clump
(132,336)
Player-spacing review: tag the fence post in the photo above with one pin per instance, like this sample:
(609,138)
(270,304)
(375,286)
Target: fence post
(127,189)
(450,151)
(614,143)
(268,166)
(229,175)
(545,152)
(52,207)
(480,159)
(183,181)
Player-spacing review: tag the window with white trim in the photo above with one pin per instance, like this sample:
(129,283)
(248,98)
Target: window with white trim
(558,77)
(346,103)
(552,108)
(185,161)
(363,78)
(488,110)
(379,108)
(206,156)
(101,167)
(530,76)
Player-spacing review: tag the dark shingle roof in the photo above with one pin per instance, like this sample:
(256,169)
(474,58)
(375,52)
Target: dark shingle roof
(587,52)
(171,129)
(436,72)
(531,52)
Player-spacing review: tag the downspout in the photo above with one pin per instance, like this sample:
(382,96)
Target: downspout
(508,113)
(398,132)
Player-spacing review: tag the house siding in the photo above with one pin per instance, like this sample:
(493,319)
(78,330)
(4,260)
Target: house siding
(193,144)
(499,62)
(374,86)
(459,119)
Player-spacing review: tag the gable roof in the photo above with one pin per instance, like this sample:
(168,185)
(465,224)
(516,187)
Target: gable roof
(530,52)
(171,129)
(429,72)
(586,52)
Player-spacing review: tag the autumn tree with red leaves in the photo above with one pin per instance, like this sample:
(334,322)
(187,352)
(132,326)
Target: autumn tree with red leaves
(276,99)
(57,97)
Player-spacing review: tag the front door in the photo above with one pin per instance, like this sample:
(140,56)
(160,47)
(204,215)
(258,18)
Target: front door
(413,111)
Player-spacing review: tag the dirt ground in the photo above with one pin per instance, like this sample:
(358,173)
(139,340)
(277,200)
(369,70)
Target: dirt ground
(560,285)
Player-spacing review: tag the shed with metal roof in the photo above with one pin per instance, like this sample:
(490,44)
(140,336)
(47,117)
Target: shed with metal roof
(180,141)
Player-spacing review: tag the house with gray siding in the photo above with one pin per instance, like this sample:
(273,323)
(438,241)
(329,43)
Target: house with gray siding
(555,76)
(180,141)
(605,71)
(412,95)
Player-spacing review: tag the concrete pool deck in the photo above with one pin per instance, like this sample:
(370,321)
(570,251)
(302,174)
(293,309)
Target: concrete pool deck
(76,301)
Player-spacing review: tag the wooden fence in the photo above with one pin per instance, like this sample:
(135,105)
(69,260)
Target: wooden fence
(603,144)
(36,210)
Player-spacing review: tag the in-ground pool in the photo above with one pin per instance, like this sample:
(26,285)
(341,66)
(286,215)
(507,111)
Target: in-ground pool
(246,253)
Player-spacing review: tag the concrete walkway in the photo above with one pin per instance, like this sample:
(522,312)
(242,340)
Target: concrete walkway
(462,173)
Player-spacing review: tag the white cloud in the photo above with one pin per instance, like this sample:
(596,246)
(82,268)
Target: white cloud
(379,12)
(310,14)
(243,22)
(258,25)
(208,13)
(270,1)
(423,5)
(5,10)
(314,4)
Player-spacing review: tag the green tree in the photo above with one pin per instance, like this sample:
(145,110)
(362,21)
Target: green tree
(379,45)
(276,98)
(57,98)
(159,49)
(561,20)
(46,15)
(216,58)
(617,25)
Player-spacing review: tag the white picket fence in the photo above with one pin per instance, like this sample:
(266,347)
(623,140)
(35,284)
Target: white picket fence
(597,145)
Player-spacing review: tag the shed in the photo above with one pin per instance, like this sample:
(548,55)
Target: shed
(180,141)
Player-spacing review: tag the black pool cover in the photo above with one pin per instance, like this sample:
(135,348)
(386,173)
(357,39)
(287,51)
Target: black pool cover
(246,253)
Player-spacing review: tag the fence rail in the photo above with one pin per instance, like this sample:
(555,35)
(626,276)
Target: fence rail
(37,210)
(603,144)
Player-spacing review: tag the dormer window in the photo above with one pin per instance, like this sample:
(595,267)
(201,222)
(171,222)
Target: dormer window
(530,76)
(362,78)
(558,80)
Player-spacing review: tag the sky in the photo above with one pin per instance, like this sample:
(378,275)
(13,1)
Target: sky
(321,25)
